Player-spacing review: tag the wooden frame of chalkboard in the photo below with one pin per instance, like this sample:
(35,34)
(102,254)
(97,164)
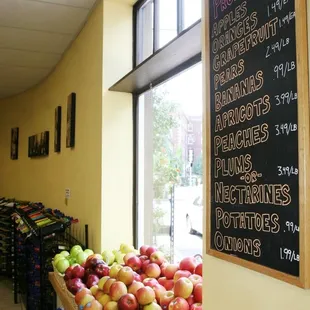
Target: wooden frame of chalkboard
(292,263)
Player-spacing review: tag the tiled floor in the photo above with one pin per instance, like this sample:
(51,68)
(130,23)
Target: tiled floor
(6,296)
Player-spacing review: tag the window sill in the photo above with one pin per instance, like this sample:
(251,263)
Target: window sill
(178,55)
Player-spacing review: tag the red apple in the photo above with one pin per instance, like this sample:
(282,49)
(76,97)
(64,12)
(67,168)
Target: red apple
(188,263)
(87,273)
(117,290)
(152,270)
(93,262)
(145,264)
(143,249)
(127,256)
(198,269)
(104,299)
(170,270)
(143,276)
(111,305)
(195,279)
(74,285)
(80,294)
(137,277)
(150,282)
(143,258)
(157,257)
(132,289)
(180,274)
(102,270)
(163,268)
(159,290)
(107,285)
(166,298)
(196,306)
(178,303)
(162,280)
(190,300)
(78,272)
(167,284)
(145,295)
(68,274)
(128,302)
(152,306)
(150,250)
(134,262)
(183,288)
(198,292)
(125,275)
(93,305)
(92,280)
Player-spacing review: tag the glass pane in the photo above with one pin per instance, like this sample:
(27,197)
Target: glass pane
(169,179)
(167,21)
(192,12)
(145,31)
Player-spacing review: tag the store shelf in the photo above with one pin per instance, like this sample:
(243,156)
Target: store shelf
(61,293)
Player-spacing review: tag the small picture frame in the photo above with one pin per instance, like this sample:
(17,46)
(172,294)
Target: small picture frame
(71,109)
(57,131)
(14,143)
(38,145)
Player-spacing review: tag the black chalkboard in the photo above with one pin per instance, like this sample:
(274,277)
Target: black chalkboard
(254,132)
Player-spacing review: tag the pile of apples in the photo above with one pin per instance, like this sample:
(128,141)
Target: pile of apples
(145,279)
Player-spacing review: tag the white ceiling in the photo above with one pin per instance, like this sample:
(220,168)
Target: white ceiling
(33,36)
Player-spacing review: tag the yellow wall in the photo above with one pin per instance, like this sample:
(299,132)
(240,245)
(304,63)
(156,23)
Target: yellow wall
(228,286)
(45,179)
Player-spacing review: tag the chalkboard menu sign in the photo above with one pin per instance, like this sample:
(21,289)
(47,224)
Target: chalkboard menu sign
(254,133)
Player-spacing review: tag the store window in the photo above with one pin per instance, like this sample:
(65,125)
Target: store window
(169,165)
(160,21)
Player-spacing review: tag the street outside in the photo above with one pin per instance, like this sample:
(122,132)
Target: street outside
(185,244)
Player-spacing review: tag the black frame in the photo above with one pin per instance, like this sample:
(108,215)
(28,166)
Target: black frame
(71,109)
(136,8)
(14,143)
(57,131)
(38,145)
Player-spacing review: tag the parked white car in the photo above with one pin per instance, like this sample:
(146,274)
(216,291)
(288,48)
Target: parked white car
(194,216)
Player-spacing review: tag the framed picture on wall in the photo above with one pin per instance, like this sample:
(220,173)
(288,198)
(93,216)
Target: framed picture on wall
(71,108)
(14,143)
(57,131)
(38,145)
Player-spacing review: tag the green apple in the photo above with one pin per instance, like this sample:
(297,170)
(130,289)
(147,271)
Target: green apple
(64,253)
(119,257)
(62,265)
(125,248)
(108,257)
(89,252)
(81,258)
(58,256)
(75,250)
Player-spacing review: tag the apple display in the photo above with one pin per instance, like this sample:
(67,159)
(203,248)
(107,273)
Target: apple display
(104,299)
(152,306)
(180,274)
(102,270)
(80,294)
(111,305)
(145,295)
(128,302)
(127,256)
(178,303)
(92,280)
(94,289)
(132,289)
(198,292)
(57,257)
(168,284)
(145,264)
(125,275)
(143,258)
(183,288)
(81,258)
(85,300)
(75,250)
(93,305)
(190,300)
(78,272)
(150,250)
(152,270)
(188,263)
(198,269)
(143,276)
(62,265)
(108,257)
(119,257)
(68,274)
(125,248)
(89,252)
(166,298)
(99,294)
(159,290)
(117,290)
(163,268)
(102,281)
(134,262)
(91,263)
(143,249)
(114,270)
(196,306)
(195,279)
(150,282)
(157,257)
(170,270)
(64,253)
(107,285)
(137,277)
